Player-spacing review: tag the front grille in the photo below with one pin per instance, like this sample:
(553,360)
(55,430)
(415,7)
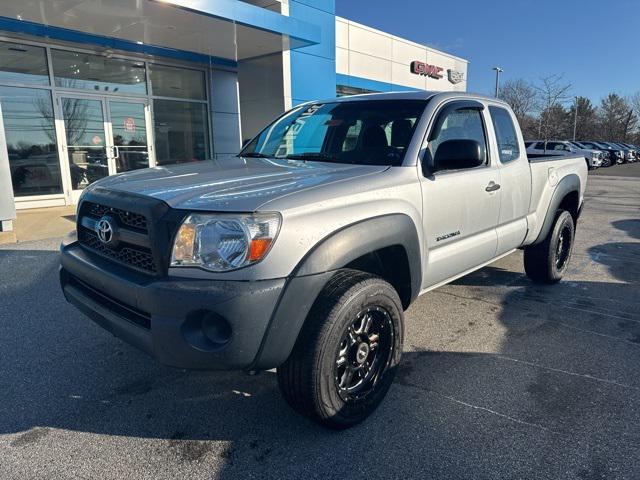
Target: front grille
(143,229)
(129,219)
(132,314)
(129,253)
(137,257)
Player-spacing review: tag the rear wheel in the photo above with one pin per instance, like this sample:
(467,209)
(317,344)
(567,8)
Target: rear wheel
(546,262)
(345,358)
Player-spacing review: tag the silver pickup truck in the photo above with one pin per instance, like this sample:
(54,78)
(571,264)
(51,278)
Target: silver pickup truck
(303,252)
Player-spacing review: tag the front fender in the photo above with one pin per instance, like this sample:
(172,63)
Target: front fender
(318,266)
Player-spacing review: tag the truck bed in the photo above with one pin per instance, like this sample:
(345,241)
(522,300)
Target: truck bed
(543,157)
(546,172)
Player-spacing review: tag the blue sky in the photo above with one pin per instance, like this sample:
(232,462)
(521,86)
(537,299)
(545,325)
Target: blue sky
(595,44)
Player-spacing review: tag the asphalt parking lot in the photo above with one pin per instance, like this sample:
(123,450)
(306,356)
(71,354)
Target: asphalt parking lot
(500,379)
(624,170)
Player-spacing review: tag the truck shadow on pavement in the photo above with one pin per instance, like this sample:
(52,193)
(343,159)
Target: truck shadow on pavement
(560,398)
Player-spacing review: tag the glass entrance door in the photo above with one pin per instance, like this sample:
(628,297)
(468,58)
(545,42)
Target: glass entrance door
(86,140)
(103,137)
(129,135)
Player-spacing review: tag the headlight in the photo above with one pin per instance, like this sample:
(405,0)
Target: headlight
(220,243)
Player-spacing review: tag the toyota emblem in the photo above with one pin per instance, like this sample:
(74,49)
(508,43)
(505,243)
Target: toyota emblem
(104,229)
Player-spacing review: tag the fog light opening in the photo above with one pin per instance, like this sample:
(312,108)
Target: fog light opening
(206,331)
(216,329)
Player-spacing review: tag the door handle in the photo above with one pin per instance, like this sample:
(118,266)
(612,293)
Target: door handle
(492,187)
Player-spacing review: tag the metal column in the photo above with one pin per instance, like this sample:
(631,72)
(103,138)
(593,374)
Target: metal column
(7,203)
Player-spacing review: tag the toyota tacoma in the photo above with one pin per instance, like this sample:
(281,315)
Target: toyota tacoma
(302,252)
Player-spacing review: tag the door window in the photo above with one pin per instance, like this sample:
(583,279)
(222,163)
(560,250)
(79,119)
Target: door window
(460,124)
(506,136)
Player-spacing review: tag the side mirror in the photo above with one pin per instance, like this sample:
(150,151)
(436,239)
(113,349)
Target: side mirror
(457,154)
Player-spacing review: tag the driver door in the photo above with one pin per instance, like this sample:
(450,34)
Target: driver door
(461,207)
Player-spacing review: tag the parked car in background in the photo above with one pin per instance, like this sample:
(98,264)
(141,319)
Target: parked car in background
(619,152)
(629,153)
(636,150)
(606,157)
(562,147)
(615,154)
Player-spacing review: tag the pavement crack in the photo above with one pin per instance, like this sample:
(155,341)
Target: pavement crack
(591,332)
(483,409)
(574,374)
(596,312)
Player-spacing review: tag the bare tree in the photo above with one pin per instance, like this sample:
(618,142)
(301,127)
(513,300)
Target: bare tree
(633,101)
(556,123)
(521,96)
(552,93)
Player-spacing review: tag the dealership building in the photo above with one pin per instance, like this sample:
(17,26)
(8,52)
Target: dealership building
(90,88)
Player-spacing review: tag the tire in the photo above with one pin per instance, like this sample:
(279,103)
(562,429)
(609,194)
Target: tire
(314,379)
(546,262)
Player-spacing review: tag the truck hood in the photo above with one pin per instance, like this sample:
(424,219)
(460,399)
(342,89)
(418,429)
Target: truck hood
(231,183)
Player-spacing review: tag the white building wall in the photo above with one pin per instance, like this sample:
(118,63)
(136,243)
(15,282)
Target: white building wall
(368,53)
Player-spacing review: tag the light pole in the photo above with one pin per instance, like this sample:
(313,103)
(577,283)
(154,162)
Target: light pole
(575,120)
(498,72)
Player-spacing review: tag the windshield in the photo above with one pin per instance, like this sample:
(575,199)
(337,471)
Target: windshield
(375,132)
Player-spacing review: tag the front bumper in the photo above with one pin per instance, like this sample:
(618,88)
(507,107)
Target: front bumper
(186,323)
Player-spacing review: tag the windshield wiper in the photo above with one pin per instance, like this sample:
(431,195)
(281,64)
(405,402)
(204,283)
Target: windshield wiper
(310,156)
(253,155)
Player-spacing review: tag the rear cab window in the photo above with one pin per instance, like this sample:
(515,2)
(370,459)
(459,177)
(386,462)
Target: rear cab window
(506,136)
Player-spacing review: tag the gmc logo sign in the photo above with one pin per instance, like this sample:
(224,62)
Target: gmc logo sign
(421,68)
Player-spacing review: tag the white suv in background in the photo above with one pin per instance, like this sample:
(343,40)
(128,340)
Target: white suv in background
(561,147)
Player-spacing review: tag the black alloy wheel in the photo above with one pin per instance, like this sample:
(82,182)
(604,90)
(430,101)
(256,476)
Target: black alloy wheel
(347,353)
(364,353)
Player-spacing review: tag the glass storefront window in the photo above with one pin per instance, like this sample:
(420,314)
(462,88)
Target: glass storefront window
(31,141)
(104,120)
(177,82)
(23,64)
(181,131)
(98,73)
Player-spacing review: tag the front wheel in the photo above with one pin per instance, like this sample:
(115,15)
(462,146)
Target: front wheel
(547,262)
(346,356)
